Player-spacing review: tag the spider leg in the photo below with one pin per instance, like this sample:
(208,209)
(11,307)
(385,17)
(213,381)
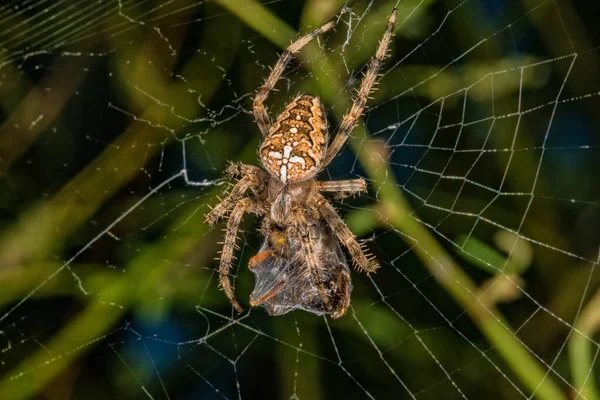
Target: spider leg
(339,228)
(308,253)
(343,189)
(260,111)
(248,181)
(237,170)
(227,257)
(351,119)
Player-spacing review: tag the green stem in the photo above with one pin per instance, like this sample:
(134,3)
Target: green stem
(582,351)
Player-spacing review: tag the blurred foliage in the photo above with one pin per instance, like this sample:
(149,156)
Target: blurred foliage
(118,120)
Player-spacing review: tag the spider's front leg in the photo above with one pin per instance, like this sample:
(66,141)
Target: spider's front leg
(258,107)
(351,118)
(252,179)
(343,189)
(343,233)
(238,170)
(227,257)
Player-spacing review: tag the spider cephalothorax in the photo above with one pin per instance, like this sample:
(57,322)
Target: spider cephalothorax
(301,263)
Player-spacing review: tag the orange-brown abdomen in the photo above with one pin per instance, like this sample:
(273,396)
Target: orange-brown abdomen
(295,145)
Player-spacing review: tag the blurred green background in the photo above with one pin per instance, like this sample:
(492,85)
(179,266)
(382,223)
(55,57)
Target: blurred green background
(480,147)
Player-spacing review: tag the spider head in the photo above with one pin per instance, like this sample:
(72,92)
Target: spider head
(295,146)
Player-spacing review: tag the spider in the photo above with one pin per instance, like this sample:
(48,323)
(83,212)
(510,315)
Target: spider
(301,263)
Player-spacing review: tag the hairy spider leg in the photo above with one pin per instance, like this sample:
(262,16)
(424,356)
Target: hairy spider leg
(343,189)
(314,266)
(361,261)
(351,119)
(227,257)
(260,111)
(239,190)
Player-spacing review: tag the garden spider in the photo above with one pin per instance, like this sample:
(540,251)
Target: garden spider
(300,264)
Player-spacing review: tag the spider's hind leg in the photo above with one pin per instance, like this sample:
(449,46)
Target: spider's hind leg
(259,109)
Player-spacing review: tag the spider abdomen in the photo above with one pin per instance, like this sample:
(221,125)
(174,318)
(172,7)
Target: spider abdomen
(294,148)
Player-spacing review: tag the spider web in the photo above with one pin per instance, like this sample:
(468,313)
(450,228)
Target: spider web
(118,118)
